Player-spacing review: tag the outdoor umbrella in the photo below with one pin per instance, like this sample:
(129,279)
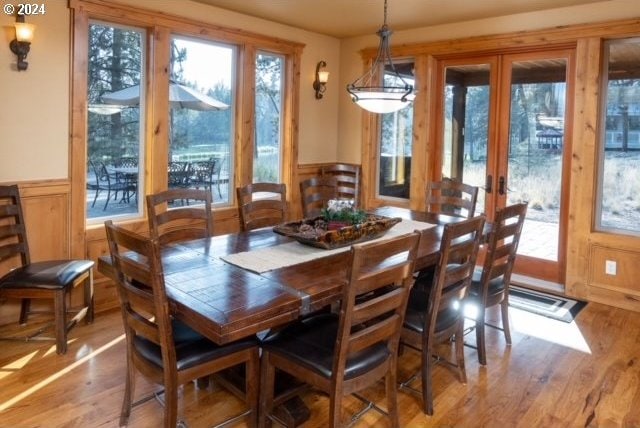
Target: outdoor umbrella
(180,96)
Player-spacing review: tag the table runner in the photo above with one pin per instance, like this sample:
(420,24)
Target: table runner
(292,253)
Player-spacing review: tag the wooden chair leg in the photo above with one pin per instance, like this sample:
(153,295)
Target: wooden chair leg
(170,406)
(460,352)
(392,396)
(335,410)
(60,319)
(480,343)
(252,389)
(267,381)
(129,388)
(427,393)
(88,298)
(505,320)
(25,307)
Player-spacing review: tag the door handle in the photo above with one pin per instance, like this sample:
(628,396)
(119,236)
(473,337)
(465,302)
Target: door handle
(501,186)
(488,184)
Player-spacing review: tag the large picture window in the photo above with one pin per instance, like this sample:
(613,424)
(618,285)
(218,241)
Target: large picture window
(115,134)
(619,208)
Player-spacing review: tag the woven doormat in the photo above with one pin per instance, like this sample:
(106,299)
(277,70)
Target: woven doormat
(548,305)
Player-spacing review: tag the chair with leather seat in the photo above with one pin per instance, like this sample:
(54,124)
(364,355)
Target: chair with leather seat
(164,350)
(179,223)
(267,210)
(490,286)
(451,197)
(52,279)
(315,193)
(348,180)
(343,353)
(434,312)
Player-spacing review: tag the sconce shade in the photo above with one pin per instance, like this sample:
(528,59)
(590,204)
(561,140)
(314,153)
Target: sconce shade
(382,89)
(21,45)
(320,82)
(323,76)
(24,31)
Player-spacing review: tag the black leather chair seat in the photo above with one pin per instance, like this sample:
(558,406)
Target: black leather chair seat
(51,274)
(496,285)
(191,348)
(414,318)
(311,342)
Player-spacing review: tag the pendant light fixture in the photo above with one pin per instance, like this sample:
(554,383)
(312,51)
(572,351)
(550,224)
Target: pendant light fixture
(370,91)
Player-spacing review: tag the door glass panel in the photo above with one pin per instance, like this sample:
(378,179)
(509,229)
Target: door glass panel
(201,117)
(536,140)
(396,141)
(115,121)
(268,133)
(466,126)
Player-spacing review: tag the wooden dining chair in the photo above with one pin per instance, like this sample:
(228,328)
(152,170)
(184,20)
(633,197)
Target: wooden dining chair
(315,193)
(53,280)
(451,197)
(179,223)
(490,286)
(166,351)
(434,312)
(343,353)
(268,209)
(348,180)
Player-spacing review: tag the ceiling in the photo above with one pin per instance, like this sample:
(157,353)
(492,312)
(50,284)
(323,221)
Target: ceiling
(347,18)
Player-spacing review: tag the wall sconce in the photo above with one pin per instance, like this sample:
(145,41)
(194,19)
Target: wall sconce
(22,43)
(322,76)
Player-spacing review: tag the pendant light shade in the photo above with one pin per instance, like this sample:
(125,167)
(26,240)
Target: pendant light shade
(371,92)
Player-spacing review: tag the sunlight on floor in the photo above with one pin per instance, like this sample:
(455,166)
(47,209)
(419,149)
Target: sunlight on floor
(16,365)
(559,332)
(54,377)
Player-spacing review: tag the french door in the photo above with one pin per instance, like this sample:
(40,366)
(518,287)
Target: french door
(503,126)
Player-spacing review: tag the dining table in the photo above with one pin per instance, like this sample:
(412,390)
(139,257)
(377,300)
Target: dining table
(232,286)
(226,302)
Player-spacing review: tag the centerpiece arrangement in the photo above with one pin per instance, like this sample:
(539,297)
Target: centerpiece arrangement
(339,225)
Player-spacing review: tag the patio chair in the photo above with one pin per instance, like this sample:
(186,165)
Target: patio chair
(112,183)
(178,175)
(206,174)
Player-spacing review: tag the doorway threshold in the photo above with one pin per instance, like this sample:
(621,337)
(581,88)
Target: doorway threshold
(537,284)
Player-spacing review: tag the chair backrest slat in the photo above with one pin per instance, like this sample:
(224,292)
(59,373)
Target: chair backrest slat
(13,233)
(256,213)
(451,197)
(347,180)
(315,193)
(169,225)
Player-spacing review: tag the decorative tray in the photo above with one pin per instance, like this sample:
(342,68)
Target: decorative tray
(320,233)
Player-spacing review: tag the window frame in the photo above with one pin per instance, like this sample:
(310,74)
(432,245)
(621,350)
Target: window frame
(159,28)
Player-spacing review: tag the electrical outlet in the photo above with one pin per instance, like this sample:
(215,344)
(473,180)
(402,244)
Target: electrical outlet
(610,267)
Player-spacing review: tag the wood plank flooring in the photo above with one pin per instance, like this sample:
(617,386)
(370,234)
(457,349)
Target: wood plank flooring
(583,374)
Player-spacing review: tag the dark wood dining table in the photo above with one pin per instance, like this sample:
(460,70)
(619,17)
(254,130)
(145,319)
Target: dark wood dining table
(225,302)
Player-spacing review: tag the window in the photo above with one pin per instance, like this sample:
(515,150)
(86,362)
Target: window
(115,120)
(394,169)
(268,107)
(619,186)
(200,117)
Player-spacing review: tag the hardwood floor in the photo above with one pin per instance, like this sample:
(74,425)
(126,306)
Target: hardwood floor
(583,374)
